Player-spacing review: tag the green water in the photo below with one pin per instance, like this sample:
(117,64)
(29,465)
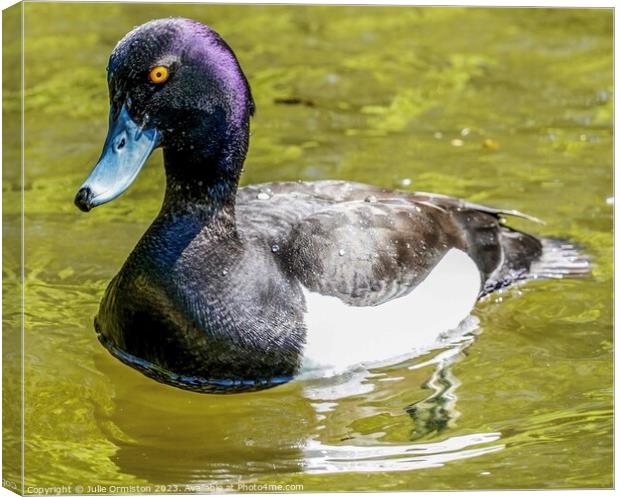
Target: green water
(524,401)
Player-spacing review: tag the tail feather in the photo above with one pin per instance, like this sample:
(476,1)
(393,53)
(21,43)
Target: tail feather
(526,257)
(560,259)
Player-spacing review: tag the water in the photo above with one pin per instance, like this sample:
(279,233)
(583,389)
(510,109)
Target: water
(512,108)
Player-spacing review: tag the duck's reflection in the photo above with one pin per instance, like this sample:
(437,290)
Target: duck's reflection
(168,436)
(437,412)
(433,415)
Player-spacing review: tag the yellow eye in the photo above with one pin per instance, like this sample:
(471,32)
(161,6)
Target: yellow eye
(159,74)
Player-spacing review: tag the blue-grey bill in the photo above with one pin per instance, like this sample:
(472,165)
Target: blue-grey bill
(126,149)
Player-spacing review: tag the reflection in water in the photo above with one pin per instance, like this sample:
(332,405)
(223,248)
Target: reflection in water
(165,435)
(299,427)
(436,413)
(431,415)
(330,459)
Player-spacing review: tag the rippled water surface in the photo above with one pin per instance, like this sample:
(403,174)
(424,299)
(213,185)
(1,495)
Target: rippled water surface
(512,108)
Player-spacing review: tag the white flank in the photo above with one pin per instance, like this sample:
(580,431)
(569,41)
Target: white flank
(340,336)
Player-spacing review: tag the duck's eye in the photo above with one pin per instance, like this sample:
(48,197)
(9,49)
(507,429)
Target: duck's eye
(159,74)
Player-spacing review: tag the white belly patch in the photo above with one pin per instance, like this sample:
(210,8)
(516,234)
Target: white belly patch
(340,336)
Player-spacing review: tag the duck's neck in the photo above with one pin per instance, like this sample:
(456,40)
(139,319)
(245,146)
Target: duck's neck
(201,182)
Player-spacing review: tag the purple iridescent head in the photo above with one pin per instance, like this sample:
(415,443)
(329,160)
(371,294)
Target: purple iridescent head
(173,83)
(204,72)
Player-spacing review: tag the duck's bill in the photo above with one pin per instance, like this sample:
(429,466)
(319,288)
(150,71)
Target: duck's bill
(126,149)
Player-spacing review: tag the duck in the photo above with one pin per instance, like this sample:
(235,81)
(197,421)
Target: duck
(235,289)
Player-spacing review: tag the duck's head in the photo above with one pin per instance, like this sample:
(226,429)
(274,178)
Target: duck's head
(173,83)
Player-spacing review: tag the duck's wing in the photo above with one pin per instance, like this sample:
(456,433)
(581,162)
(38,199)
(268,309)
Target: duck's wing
(368,252)
(367,245)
